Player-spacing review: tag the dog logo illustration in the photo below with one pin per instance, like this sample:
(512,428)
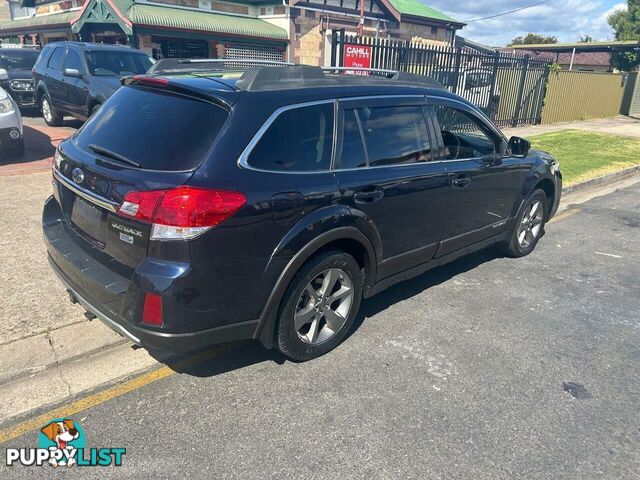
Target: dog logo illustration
(64,436)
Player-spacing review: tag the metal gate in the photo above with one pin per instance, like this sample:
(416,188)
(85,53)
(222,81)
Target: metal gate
(509,88)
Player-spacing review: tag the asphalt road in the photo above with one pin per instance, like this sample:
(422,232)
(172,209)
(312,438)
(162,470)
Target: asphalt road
(459,373)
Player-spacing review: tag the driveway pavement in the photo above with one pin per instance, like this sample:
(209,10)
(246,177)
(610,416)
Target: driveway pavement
(620,125)
(40,143)
(488,368)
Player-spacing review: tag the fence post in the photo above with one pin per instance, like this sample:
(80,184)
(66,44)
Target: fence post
(458,59)
(523,78)
(341,48)
(494,82)
(543,93)
(334,45)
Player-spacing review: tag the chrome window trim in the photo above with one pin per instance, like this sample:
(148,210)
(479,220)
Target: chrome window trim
(86,194)
(244,156)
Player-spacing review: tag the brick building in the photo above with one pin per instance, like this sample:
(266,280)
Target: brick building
(294,30)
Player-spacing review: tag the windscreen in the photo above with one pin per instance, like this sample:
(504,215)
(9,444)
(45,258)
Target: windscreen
(155,129)
(105,63)
(18,59)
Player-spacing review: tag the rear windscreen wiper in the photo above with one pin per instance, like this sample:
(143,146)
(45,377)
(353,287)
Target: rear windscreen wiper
(116,156)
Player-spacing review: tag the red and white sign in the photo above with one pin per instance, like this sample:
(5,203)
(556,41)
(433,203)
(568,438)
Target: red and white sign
(357,56)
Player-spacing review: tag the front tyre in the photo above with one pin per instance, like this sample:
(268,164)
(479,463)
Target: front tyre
(529,226)
(320,306)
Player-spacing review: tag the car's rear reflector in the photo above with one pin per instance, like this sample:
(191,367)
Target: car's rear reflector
(152,310)
(181,213)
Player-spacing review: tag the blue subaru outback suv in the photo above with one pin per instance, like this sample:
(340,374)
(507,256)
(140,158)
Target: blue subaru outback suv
(200,209)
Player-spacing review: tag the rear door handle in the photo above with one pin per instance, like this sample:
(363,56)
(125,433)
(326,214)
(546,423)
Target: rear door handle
(461,182)
(368,196)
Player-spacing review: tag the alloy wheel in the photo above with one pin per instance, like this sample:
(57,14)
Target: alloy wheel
(531,224)
(46,110)
(323,306)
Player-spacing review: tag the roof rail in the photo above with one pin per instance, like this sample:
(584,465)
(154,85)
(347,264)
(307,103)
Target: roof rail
(185,65)
(396,75)
(301,76)
(273,78)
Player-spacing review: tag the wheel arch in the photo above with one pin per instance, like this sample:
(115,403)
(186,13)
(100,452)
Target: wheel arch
(547,186)
(347,239)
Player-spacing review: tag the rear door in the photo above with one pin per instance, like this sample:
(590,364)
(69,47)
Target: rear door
(385,169)
(165,134)
(54,77)
(485,184)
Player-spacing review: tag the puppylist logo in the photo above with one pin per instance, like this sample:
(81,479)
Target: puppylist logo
(62,442)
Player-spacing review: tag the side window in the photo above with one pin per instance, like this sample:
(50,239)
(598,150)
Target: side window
(463,135)
(299,139)
(72,60)
(55,60)
(353,154)
(395,135)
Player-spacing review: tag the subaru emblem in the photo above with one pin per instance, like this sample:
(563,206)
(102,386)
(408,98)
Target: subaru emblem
(77,175)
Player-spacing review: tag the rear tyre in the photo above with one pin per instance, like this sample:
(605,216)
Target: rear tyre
(50,115)
(320,306)
(529,226)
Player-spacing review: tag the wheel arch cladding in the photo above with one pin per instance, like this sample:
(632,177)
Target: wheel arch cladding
(548,188)
(347,239)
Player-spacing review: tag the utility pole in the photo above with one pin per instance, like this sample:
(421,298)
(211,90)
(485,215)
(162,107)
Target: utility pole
(361,24)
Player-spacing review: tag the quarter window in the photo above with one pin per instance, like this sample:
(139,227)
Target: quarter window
(395,135)
(464,137)
(298,140)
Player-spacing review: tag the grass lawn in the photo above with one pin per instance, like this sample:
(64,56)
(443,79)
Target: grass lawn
(586,155)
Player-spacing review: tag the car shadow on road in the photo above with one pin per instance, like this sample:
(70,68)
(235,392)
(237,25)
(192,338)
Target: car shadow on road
(225,358)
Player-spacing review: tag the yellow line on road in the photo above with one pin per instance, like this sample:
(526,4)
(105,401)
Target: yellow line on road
(566,214)
(98,398)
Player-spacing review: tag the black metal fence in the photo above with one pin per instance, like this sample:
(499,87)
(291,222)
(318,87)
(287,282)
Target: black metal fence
(509,88)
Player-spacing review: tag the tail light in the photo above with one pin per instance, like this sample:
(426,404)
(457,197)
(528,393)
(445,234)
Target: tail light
(181,213)
(152,310)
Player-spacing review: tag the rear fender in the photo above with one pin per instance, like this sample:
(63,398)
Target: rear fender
(311,234)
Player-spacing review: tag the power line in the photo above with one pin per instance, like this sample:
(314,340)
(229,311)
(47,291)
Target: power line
(506,13)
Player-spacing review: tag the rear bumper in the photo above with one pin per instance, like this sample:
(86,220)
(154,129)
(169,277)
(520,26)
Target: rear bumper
(113,297)
(174,342)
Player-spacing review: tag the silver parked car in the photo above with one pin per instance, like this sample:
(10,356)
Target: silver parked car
(11,140)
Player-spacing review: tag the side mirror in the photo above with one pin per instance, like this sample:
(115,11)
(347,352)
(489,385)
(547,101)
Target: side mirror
(72,72)
(519,146)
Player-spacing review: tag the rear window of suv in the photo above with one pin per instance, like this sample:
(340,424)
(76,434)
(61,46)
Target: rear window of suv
(158,130)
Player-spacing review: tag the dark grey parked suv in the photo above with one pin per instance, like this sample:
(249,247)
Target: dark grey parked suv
(75,78)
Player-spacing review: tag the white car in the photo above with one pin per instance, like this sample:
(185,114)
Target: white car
(11,141)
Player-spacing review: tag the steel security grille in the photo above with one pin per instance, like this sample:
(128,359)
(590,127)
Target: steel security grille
(248,51)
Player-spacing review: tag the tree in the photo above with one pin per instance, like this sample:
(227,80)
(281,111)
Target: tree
(585,39)
(626,25)
(534,39)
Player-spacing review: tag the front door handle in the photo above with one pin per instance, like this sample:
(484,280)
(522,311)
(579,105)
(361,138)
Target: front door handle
(461,182)
(368,196)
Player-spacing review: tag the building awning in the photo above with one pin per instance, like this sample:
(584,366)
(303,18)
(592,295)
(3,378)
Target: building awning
(142,15)
(42,22)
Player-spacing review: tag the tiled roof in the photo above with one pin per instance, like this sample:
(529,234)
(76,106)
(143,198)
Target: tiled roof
(161,16)
(581,58)
(21,25)
(419,9)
